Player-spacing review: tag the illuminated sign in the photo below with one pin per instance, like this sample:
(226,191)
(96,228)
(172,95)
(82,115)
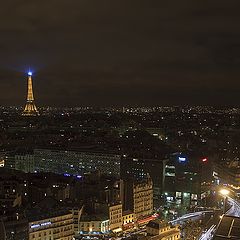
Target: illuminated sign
(182,159)
(41,225)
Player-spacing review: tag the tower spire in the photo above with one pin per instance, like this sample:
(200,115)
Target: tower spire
(30,107)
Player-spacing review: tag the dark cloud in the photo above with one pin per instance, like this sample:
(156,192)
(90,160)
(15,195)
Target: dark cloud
(121,52)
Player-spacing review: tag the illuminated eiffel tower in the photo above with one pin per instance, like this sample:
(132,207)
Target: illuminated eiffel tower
(30,107)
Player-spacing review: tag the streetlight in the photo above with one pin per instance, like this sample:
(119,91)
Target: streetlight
(224,192)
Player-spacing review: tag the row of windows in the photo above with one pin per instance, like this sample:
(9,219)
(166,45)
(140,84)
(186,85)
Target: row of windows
(49,232)
(115,212)
(128,221)
(128,216)
(41,234)
(174,237)
(116,217)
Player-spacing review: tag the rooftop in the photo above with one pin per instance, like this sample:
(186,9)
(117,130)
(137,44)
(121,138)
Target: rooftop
(48,208)
(229,228)
(157,224)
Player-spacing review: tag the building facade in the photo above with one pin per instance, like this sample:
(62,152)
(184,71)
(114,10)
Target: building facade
(77,212)
(163,230)
(57,225)
(72,162)
(115,217)
(97,223)
(128,220)
(137,169)
(24,163)
(138,197)
(143,198)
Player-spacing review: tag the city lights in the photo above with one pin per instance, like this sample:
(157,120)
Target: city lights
(120,121)
(224,192)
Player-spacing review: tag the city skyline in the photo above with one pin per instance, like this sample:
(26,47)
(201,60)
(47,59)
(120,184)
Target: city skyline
(121,53)
(119,120)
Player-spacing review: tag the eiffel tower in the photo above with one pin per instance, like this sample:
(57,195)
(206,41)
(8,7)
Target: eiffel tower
(30,107)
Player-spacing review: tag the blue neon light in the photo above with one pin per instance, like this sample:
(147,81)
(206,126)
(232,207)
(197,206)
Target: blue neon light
(182,159)
(41,224)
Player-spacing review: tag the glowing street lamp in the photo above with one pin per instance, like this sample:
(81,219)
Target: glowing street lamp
(224,192)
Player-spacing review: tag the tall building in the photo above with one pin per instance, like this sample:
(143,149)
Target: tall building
(138,197)
(115,217)
(140,168)
(183,177)
(30,107)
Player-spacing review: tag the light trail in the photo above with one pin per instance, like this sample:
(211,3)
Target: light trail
(209,234)
(235,208)
(189,216)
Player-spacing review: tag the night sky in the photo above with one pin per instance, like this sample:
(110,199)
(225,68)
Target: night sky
(117,52)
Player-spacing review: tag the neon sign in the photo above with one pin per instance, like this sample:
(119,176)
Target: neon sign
(182,159)
(41,225)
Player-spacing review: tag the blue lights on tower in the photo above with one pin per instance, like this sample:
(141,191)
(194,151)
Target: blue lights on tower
(29,73)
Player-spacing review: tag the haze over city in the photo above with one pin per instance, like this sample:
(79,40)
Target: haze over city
(121,53)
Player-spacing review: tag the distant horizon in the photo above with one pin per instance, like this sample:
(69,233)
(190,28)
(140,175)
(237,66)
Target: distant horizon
(125,106)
